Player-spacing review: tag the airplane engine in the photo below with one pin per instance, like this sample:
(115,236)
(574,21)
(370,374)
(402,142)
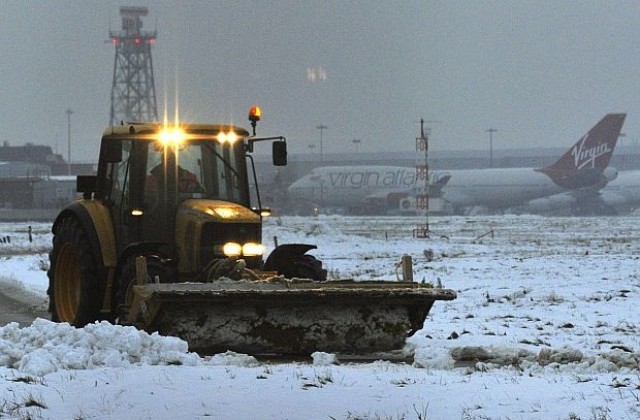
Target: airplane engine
(407,205)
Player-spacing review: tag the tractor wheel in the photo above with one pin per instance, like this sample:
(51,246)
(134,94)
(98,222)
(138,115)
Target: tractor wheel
(307,266)
(74,291)
(157,272)
(291,260)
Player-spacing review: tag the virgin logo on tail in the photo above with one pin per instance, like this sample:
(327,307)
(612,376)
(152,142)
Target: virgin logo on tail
(587,157)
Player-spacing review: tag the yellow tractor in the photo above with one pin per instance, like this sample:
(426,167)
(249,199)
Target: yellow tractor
(165,238)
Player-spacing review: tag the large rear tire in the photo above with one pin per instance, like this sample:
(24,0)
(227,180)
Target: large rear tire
(74,291)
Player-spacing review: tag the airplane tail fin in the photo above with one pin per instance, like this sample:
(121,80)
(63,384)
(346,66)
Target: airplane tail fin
(586,160)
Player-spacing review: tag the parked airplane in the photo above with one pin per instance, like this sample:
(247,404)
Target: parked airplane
(583,166)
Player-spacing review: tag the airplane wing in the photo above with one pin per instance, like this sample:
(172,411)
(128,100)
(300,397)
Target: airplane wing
(384,195)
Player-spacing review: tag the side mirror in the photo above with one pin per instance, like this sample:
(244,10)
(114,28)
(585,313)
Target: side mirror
(111,151)
(86,184)
(279,152)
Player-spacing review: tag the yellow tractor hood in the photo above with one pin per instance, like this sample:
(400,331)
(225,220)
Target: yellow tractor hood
(218,211)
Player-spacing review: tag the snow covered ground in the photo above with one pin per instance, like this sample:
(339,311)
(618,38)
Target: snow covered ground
(545,326)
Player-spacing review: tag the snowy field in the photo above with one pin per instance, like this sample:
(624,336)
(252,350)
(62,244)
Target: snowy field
(545,326)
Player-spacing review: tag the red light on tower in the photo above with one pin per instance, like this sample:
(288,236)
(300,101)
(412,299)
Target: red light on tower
(152,41)
(138,41)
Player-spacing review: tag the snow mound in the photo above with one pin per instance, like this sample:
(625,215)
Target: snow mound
(231,358)
(324,359)
(46,347)
(565,359)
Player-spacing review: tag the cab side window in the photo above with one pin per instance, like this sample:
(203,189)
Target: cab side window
(118,178)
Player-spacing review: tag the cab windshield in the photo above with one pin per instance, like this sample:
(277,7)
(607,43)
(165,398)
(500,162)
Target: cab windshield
(201,169)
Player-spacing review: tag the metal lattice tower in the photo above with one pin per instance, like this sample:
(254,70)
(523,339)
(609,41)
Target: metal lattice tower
(422,182)
(133,93)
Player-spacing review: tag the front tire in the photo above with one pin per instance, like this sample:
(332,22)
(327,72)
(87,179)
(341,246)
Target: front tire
(291,261)
(74,291)
(158,271)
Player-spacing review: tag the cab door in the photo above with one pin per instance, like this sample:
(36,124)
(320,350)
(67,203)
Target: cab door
(116,189)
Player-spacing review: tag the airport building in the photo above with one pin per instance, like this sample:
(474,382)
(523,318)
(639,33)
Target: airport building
(34,182)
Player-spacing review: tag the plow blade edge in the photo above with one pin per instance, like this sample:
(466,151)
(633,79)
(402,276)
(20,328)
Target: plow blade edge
(286,317)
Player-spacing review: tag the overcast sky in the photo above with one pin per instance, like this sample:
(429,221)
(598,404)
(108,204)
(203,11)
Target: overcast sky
(540,72)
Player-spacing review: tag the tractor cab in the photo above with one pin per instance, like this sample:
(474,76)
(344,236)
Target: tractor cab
(149,170)
(181,192)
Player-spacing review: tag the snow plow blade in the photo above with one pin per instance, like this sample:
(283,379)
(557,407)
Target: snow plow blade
(286,317)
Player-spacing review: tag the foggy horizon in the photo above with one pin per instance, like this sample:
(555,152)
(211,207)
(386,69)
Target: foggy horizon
(541,73)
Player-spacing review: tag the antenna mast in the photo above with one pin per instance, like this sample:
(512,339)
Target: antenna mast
(422,182)
(133,93)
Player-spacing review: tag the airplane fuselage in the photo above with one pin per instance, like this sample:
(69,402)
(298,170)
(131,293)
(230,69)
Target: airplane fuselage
(497,187)
(352,186)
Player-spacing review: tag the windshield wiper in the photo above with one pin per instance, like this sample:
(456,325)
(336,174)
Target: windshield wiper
(219,156)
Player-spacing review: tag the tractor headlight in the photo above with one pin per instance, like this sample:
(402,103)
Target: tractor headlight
(232,249)
(250,249)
